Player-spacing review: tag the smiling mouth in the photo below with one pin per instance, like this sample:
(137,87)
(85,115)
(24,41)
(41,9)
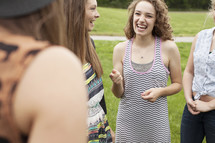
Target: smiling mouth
(92,21)
(143,27)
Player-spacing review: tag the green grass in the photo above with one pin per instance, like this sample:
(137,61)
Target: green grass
(175,102)
(189,23)
(112,21)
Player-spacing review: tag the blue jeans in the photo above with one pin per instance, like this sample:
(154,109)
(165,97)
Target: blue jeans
(195,127)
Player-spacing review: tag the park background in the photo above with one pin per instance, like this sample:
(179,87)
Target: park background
(187,18)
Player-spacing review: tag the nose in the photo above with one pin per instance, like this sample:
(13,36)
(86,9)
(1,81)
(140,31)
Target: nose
(142,18)
(97,14)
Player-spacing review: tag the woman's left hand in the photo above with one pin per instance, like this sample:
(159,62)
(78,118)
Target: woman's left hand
(151,95)
(202,106)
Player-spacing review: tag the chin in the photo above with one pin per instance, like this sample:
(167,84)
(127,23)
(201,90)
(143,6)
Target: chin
(90,28)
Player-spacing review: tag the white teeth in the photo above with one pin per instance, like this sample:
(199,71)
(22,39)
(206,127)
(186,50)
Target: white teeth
(142,26)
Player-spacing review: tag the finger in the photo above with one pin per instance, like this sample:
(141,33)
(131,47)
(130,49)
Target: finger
(193,110)
(148,97)
(147,92)
(119,79)
(192,104)
(151,100)
(114,71)
(111,75)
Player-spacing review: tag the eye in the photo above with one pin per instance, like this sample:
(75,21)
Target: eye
(149,16)
(137,13)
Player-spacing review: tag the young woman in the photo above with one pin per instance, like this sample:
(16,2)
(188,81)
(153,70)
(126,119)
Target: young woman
(142,65)
(198,118)
(98,127)
(42,94)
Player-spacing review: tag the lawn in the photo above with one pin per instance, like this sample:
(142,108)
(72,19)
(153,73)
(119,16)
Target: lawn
(175,102)
(112,21)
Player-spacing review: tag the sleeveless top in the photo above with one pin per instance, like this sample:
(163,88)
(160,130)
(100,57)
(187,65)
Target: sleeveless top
(98,127)
(139,120)
(204,65)
(102,102)
(141,67)
(13,62)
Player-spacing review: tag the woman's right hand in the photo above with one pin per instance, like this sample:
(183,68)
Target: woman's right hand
(116,77)
(192,107)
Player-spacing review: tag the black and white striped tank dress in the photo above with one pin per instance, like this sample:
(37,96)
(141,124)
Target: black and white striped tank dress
(138,120)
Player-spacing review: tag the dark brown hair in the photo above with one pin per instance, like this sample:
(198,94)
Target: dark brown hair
(47,23)
(162,27)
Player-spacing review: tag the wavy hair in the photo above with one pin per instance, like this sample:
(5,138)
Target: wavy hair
(162,27)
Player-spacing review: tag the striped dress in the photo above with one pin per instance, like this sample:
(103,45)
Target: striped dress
(98,127)
(138,120)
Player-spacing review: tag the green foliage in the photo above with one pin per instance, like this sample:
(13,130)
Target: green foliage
(188,4)
(179,4)
(175,102)
(114,3)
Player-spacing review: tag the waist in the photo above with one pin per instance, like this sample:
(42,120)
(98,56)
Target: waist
(205,98)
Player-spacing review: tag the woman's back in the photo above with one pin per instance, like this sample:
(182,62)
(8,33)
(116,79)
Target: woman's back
(39,85)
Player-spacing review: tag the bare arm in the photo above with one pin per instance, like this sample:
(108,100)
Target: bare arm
(173,55)
(50,104)
(175,71)
(116,74)
(203,106)
(188,79)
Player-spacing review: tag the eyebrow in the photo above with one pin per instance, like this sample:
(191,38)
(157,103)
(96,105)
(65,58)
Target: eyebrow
(93,5)
(146,12)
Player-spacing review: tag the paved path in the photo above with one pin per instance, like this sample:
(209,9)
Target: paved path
(122,38)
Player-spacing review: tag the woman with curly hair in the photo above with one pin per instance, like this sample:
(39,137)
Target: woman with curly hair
(142,65)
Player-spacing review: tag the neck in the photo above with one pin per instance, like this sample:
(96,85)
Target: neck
(16,39)
(144,41)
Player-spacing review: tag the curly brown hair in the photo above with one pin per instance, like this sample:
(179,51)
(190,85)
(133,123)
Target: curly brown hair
(162,27)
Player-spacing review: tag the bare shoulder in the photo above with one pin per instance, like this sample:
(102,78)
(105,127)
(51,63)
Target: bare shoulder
(170,52)
(121,46)
(49,91)
(169,46)
(60,54)
(119,50)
